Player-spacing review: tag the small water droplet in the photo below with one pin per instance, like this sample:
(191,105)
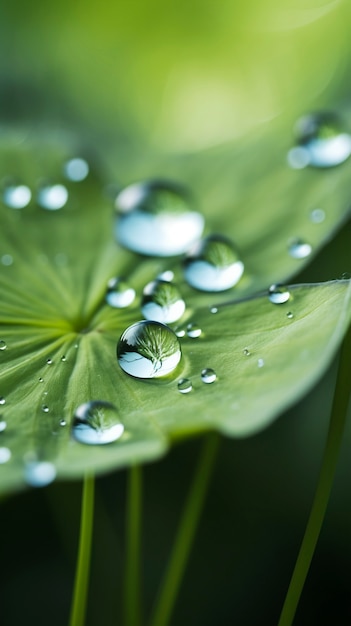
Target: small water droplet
(5,455)
(246,352)
(317,216)
(119,294)
(299,249)
(167,275)
(2,401)
(3,425)
(185,385)
(63,422)
(97,423)
(45,408)
(41,380)
(45,393)
(148,349)
(49,361)
(290,315)
(52,197)
(298,158)
(193,331)
(63,358)
(213,265)
(157,218)
(7,260)
(213,309)
(260,363)
(17,196)
(3,344)
(76,169)
(162,302)
(208,375)
(278,294)
(321,137)
(39,473)
(180,332)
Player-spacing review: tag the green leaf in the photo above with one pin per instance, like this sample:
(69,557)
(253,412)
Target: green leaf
(54,271)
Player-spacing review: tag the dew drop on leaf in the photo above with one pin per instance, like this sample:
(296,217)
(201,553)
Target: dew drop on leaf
(208,375)
(49,361)
(246,352)
(260,363)
(62,422)
(96,423)
(167,275)
(193,331)
(2,401)
(41,380)
(185,385)
(148,349)
(5,455)
(3,425)
(3,344)
(76,169)
(162,302)
(322,139)
(119,294)
(63,358)
(290,315)
(317,216)
(157,219)
(7,260)
(39,473)
(17,196)
(278,294)
(45,408)
(299,249)
(213,265)
(213,309)
(52,197)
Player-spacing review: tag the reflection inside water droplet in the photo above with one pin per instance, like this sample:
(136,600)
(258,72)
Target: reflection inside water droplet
(322,139)
(3,344)
(17,196)
(162,302)
(119,294)
(52,197)
(96,423)
(213,265)
(185,385)
(5,455)
(76,169)
(157,218)
(278,294)
(148,349)
(208,375)
(39,473)
(193,331)
(299,249)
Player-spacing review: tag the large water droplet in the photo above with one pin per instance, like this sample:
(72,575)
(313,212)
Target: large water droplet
(17,196)
(5,455)
(39,473)
(119,294)
(52,197)
(208,375)
(185,385)
(278,294)
(148,350)
(157,218)
(321,141)
(299,249)
(3,344)
(213,265)
(76,169)
(97,423)
(162,302)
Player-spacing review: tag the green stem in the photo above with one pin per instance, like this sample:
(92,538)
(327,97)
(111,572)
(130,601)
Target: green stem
(184,539)
(81,582)
(132,600)
(326,477)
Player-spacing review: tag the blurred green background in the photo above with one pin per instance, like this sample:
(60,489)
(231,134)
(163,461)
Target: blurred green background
(181,77)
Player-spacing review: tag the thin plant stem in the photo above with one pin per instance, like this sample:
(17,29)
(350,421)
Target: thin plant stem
(325,482)
(186,531)
(80,592)
(132,599)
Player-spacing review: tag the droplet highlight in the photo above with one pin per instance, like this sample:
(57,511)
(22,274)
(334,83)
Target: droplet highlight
(184,385)
(157,219)
(3,344)
(193,331)
(213,265)
(96,423)
(290,315)
(2,401)
(246,352)
(148,349)
(17,196)
(52,197)
(3,425)
(321,141)
(162,302)
(299,249)
(5,455)
(76,169)
(119,294)
(208,375)
(45,408)
(278,294)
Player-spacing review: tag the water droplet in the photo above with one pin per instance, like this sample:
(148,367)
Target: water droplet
(213,309)
(49,361)
(246,352)
(185,385)
(299,249)
(63,422)
(193,331)
(180,332)
(45,408)
(260,363)
(157,218)
(2,401)
(162,302)
(298,158)
(39,473)
(213,265)
(208,375)
(17,196)
(7,260)
(119,295)
(41,380)
(317,216)
(3,425)
(167,275)
(290,315)
(3,344)
(52,197)
(148,349)
(76,169)
(97,423)
(321,138)
(278,294)
(5,455)
(63,359)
